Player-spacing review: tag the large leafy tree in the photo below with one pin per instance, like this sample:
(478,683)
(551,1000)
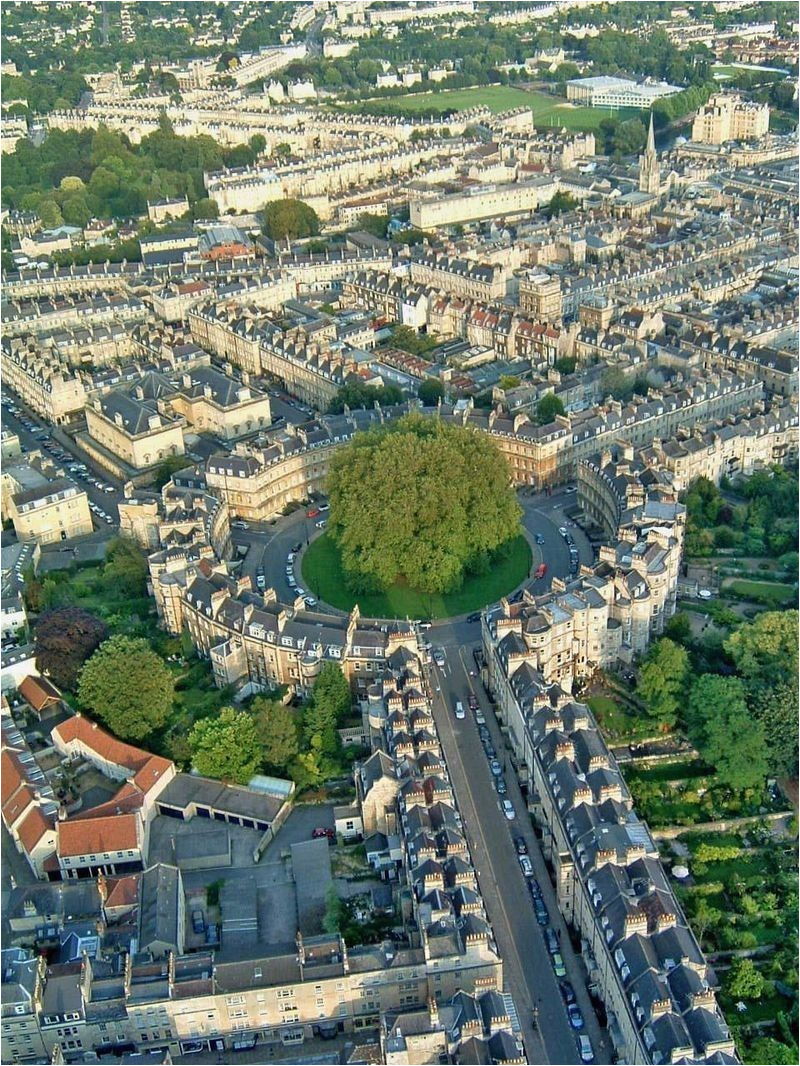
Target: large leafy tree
(662,680)
(290,218)
(65,638)
(725,733)
(765,653)
(358,396)
(330,703)
(126,568)
(419,500)
(128,687)
(548,407)
(227,746)
(277,730)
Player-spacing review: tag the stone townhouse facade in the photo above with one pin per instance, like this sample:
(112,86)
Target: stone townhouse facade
(43,382)
(461,277)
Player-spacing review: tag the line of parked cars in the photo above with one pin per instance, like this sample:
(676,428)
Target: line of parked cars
(309,600)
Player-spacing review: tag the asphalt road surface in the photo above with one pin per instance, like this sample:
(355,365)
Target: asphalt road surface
(528,970)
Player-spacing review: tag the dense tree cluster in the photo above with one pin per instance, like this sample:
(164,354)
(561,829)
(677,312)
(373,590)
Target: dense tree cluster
(548,407)
(128,686)
(65,638)
(359,397)
(74,176)
(764,522)
(421,501)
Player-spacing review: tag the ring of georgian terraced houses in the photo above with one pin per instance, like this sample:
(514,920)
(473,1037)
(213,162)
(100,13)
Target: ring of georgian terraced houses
(535,816)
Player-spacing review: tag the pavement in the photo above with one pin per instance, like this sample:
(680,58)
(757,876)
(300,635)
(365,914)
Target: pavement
(528,971)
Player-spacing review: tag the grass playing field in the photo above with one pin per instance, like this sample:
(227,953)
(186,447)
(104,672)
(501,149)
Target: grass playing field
(547,110)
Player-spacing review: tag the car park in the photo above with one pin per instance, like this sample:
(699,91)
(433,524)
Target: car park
(575,1016)
(559,968)
(508,810)
(526,866)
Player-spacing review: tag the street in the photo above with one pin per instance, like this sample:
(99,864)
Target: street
(528,971)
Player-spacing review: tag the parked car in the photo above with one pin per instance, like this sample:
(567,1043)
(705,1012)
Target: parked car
(310,601)
(585,1048)
(472,701)
(198,921)
(474,617)
(212,936)
(321,831)
(562,530)
(575,1016)
(526,866)
(438,656)
(501,786)
(559,969)
(424,624)
(567,991)
(324,507)
(508,810)
(479,717)
(539,538)
(542,917)
(321,524)
(520,845)
(495,767)
(551,940)
(296,547)
(312,512)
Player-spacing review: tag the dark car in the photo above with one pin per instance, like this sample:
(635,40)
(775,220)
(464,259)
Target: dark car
(483,732)
(551,939)
(520,845)
(472,700)
(539,538)
(567,991)
(542,917)
(297,547)
(500,785)
(536,888)
(474,617)
(198,921)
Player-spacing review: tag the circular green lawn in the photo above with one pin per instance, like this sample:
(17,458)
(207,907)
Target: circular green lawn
(322,573)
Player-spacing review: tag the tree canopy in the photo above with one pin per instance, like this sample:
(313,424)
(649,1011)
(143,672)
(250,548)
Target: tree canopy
(127,686)
(431,390)
(724,733)
(357,397)
(662,681)
(329,705)
(548,407)
(126,567)
(277,727)
(226,747)
(65,638)
(290,218)
(419,500)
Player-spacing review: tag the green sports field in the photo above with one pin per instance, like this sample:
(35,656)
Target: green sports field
(547,110)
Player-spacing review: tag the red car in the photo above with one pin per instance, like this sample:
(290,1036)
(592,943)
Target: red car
(541,570)
(312,513)
(320,832)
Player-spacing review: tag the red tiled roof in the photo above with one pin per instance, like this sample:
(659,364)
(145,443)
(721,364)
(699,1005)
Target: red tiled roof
(11,775)
(122,891)
(38,692)
(94,836)
(33,828)
(129,798)
(19,802)
(145,768)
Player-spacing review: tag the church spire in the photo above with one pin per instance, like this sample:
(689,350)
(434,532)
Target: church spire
(651,136)
(649,171)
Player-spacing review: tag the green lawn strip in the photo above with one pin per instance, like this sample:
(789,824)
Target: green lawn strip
(668,771)
(616,724)
(322,573)
(776,593)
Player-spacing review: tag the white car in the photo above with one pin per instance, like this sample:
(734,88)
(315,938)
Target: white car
(508,810)
(300,592)
(310,601)
(290,581)
(322,523)
(525,865)
(585,1048)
